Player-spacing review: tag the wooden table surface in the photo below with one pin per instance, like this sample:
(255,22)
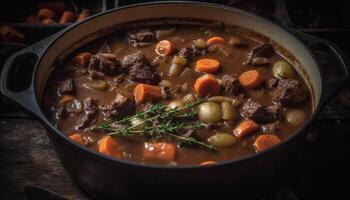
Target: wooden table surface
(28,158)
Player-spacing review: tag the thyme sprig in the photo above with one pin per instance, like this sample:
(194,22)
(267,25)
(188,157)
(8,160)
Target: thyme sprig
(170,122)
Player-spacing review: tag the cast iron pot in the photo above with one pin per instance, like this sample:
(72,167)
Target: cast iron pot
(25,74)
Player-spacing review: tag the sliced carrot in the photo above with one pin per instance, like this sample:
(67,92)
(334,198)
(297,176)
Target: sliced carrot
(206,84)
(144,92)
(209,162)
(245,128)
(45,13)
(161,151)
(207,65)
(10,34)
(67,17)
(83,14)
(66,99)
(48,21)
(109,146)
(215,40)
(250,79)
(265,141)
(78,138)
(165,47)
(82,59)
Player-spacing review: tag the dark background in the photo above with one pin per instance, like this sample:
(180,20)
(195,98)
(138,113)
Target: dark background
(27,158)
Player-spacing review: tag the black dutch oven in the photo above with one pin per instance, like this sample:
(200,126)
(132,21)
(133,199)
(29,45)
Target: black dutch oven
(25,74)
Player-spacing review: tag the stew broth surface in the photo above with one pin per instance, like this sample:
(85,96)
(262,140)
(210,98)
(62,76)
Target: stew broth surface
(231,60)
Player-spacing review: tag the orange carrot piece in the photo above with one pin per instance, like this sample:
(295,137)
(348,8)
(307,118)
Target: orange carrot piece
(164,48)
(66,99)
(45,13)
(161,151)
(250,79)
(245,128)
(67,17)
(57,6)
(144,92)
(265,141)
(109,146)
(82,59)
(83,14)
(209,162)
(206,84)
(48,21)
(215,40)
(10,34)
(78,138)
(207,65)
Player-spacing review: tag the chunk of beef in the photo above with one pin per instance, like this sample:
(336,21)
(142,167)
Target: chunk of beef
(90,113)
(289,92)
(271,128)
(264,50)
(66,87)
(186,52)
(130,60)
(253,110)
(93,74)
(259,113)
(119,107)
(144,74)
(104,62)
(166,92)
(146,106)
(272,83)
(140,38)
(59,112)
(274,112)
(230,84)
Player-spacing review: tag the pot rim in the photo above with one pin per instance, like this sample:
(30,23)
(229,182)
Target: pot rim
(93,153)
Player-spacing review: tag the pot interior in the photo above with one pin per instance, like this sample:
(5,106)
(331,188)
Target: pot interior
(285,43)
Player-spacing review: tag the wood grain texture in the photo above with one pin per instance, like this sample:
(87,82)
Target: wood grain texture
(28,158)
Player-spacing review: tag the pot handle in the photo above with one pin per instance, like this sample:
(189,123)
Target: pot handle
(17,78)
(329,87)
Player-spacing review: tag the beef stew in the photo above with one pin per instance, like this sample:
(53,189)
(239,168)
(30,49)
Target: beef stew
(179,95)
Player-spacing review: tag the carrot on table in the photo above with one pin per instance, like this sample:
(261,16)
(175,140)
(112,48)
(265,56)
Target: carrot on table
(209,162)
(56,6)
(206,84)
(109,146)
(10,34)
(144,92)
(83,14)
(207,65)
(215,40)
(245,128)
(265,141)
(164,48)
(48,21)
(67,17)
(45,13)
(161,151)
(82,59)
(78,138)
(250,79)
